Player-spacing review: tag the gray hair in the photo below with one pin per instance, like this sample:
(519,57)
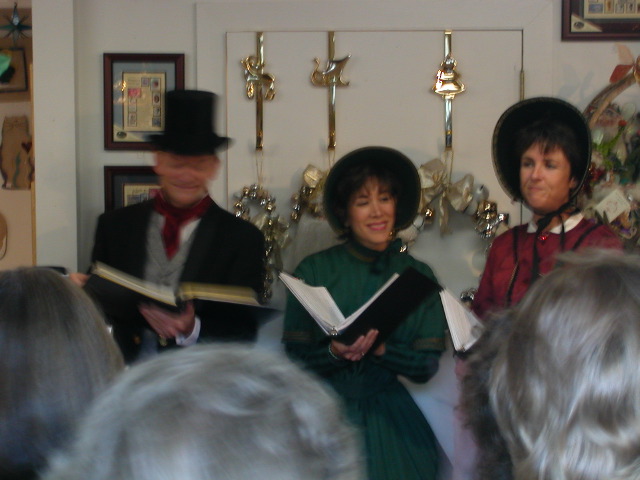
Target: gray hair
(219,412)
(57,355)
(565,385)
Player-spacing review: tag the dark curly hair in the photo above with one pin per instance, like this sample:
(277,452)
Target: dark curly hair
(354,178)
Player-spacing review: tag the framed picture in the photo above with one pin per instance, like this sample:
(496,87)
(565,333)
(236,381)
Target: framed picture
(128,185)
(134,89)
(13,70)
(600,19)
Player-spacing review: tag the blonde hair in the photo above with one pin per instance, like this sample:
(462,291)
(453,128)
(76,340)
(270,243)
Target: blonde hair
(220,411)
(565,386)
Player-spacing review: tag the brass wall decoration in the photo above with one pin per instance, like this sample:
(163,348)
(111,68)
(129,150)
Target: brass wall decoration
(448,85)
(260,85)
(439,192)
(331,78)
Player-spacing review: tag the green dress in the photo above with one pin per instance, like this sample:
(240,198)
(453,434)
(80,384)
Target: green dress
(398,440)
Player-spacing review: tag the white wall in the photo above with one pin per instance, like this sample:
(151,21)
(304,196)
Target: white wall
(69,111)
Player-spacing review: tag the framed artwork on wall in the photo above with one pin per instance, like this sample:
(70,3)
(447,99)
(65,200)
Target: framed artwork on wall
(134,89)
(13,70)
(127,185)
(600,19)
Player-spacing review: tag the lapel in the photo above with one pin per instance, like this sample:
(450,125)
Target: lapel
(203,243)
(138,239)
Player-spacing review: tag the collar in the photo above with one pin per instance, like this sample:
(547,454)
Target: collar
(378,259)
(569,224)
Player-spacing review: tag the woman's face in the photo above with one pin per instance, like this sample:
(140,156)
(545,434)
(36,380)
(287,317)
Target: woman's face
(545,179)
(371,215)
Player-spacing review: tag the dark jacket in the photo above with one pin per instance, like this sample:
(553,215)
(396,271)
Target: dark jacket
(225,250)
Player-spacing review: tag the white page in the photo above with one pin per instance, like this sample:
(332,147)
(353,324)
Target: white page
(320,304)
(464,326)
(317,301)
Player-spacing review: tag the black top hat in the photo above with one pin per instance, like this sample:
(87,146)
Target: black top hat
(189,124)
(392,160)
(524,113)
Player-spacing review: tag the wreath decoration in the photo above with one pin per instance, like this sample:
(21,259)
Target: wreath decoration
(611,193)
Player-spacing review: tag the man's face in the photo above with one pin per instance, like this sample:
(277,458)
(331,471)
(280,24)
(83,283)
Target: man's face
(185,178)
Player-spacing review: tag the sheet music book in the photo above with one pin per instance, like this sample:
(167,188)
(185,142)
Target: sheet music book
(384,311)
(120,293)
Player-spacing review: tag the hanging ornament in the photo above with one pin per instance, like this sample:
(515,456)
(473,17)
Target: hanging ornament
(309,197)
(275,230)
(436,174)
(16,28)
(438,193)
(331,78)
(260,86)
(488,219)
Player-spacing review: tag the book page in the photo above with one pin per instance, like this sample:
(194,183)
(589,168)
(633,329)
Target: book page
(464,326)
(219,293)
(148,289)
(317,301)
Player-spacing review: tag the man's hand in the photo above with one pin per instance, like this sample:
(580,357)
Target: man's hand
(79,278)
(169,324)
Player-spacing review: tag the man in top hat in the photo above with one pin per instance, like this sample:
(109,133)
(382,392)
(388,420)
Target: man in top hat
(182,235)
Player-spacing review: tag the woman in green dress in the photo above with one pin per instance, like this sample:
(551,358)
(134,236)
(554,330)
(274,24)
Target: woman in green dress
(369,195)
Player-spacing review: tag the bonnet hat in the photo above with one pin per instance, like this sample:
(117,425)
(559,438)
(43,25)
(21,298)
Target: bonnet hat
(392,160)
(524,113)
(189,124)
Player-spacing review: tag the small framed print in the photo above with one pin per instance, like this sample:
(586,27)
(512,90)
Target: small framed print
(134,88)
(128,185)
(13,70)
(600,19)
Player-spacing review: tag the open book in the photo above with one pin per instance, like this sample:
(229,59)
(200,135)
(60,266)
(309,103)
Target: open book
(464,326)
(117,291)
(384,311)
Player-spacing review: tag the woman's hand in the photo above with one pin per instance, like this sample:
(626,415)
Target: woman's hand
(358,349)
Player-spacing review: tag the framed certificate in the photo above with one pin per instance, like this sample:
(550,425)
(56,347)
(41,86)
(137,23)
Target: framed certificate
(134,88)
(127,185)
(600,19)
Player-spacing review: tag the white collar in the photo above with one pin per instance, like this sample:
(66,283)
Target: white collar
(569,224)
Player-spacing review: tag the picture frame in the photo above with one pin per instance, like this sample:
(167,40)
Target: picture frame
(16,76)
(128,185)
(600,19)
(134,89)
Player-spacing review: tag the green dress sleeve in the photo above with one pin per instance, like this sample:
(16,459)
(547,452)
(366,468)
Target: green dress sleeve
(304,340)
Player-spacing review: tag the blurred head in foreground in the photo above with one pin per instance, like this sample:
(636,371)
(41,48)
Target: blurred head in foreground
(565,385)
(57,355)
(214,412)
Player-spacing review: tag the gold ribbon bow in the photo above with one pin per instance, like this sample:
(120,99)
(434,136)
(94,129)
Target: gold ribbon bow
(436,184)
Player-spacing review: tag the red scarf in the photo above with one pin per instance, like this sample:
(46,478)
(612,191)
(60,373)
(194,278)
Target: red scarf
(174,218)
